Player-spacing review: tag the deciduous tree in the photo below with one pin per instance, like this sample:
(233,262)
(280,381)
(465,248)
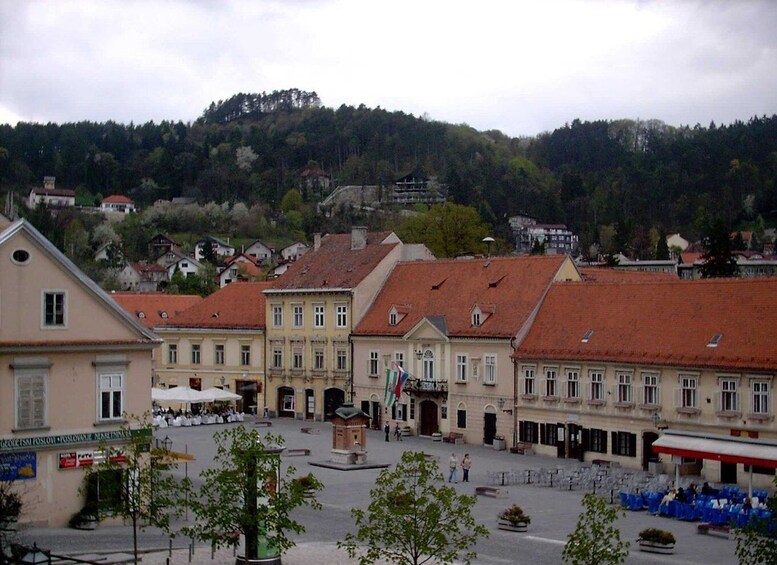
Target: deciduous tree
(596,540)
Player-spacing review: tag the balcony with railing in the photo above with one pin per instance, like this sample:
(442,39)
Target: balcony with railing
(423,386)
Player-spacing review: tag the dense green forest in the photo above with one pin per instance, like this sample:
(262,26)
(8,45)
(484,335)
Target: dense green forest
(622,180)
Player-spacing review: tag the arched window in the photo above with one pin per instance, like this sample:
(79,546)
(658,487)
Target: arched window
(428,365)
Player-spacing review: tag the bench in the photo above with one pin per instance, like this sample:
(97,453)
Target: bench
(707,528)
(454,437)
(297,452)
(493,492)
(265,423)
(523,448)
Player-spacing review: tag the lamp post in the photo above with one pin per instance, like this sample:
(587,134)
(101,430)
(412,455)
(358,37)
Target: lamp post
(488,240)
(167,443)
(501,403)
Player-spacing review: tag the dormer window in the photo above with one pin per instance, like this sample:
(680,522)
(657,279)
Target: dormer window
(397,312)
(587,337)
(476,318)
(480,313)
(141,315)
(393,319)
(715,340)
(163,314)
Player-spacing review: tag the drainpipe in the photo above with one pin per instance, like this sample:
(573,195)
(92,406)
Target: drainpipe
(513,408)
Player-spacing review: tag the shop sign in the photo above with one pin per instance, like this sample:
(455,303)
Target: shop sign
(18,466)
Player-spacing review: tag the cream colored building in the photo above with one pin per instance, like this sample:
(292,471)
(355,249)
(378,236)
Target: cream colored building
(311,311)
(218,342)
(452,325)
(606,368)
(73,365)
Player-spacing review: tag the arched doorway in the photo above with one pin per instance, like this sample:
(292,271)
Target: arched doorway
(333,399)
(489,425)
(429,418)
(287,406)
(647,449)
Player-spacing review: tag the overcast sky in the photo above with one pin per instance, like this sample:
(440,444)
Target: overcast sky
(522,67)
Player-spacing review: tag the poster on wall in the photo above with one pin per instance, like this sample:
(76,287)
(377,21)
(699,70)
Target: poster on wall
(88,457)
(18,466)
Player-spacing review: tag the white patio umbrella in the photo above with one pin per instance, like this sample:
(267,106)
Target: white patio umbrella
(159,393)
(184,394)
(214,394)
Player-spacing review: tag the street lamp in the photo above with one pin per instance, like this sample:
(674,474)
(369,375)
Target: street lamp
(501,403)
(36,555)
(167,443)
(656,419)
(419,354)
(488,240)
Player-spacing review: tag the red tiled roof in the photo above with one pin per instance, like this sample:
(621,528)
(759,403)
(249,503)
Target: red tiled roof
(239,305)
(154,304)
(335,264)
(602,274)
(690,257)
(661,323)
(54,192)
(149,267)
(511,286)
(117,199)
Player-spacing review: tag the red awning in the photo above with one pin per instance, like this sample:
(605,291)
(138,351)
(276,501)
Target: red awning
(727,449)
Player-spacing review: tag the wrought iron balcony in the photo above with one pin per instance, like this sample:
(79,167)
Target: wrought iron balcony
(421,386)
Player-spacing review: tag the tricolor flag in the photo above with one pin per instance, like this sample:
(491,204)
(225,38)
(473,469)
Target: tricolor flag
(391,387)
(401,379)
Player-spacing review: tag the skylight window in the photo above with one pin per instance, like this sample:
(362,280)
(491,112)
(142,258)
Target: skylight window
(587,336)
(715,340)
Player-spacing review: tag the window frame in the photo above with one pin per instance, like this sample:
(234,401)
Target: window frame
(297,316)
(572,378)
(110,392)
(55,324)
(319,315)
(766,394)
(373,365)
(219,354)
(650,381)
(277,357)
(529,382)
(277,315)
(489,368)
(624,390)
(245,355)
(172,353)
(596,382)
(551,382)
(26,376)
(196,354)
(462,362)
(341,317)
(341,359)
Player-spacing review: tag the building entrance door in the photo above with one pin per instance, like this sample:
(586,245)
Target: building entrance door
(429,421)
(489,428)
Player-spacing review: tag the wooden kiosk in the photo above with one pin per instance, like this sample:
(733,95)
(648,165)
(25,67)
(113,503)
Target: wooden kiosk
(349,435)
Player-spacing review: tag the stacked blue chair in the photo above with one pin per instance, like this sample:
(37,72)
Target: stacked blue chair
(624,499)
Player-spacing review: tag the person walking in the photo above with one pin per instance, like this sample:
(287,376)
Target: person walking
(453,462)
(387,430)
(466,463)
(397,433)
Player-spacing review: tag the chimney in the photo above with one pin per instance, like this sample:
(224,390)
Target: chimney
(358,238)
(316,241)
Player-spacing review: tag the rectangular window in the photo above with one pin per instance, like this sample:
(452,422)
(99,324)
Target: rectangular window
(529,387)
(111,394)
(624,443)
(342,360)
(245,354)
(218,354)
(598,441)
(573,385)
(277,315)
(31,400)
(399,358)
(688,392)
(760,397)
(54,309)
(624,387)
(528,431)
(551,389)
(412,408)
(597,385)
(393,319)
(296,358)
(297,318)
(461,368)
(172,353)
(729,397)
(195,353)
(374,363)
(548,434)
(650,389)
(461,419)
(277,357)
(489,369)
(318,360)
(342,315)
(318,315)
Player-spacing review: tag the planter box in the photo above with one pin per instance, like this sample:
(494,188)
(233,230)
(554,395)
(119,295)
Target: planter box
(500,444)
(437,437)
(655,547)
(87,525)
(507,526)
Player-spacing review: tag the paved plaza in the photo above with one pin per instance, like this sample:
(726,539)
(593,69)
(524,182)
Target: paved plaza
(554,511)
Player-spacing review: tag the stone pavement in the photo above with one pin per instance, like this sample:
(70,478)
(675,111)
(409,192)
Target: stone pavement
(554,511)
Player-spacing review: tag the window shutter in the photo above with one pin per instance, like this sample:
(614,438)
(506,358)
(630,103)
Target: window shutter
(542,434)
(604,440)
(632,445)
(534,427)
(615,443)
(585,438)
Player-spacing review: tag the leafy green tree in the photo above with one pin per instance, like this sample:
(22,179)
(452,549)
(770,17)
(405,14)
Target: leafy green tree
(662,248)
(717,258)
(596,540)
(538,247)
(447,230)
(148,494)
(414,517)
(246,493)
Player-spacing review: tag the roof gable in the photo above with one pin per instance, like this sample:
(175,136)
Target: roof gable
(510,287)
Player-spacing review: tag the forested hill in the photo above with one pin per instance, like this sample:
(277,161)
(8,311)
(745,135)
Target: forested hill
(630,175)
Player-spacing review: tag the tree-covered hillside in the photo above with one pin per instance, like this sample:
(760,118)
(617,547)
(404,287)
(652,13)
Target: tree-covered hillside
(614,180)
